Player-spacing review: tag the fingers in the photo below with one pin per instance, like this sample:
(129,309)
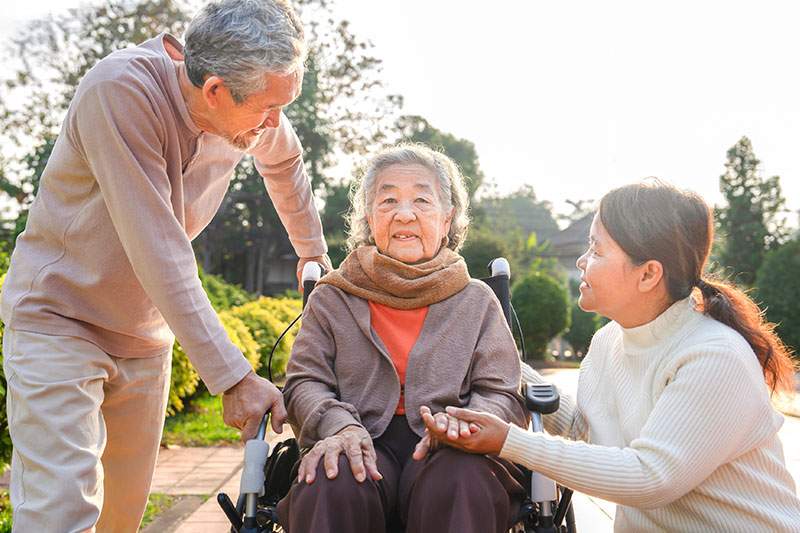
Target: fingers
(452,427)
(463,429)
(354,455)
(422,448)
(371,460)
(308,466)
(331,460)
(466,414)
(278,412)
(250,428)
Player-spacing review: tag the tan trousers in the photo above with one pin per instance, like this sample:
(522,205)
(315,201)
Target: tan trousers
(86,428)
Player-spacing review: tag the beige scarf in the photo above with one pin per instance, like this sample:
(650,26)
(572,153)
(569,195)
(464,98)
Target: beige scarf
(369,274)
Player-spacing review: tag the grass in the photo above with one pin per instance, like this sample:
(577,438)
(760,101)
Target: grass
(157,503)
(200,425)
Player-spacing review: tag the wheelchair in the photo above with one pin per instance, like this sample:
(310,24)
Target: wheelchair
(267,478)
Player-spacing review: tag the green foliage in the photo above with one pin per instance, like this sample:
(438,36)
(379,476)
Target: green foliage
(779,291)
(416,129)
(157,503)
(479,249)
(199,425)
(522,211)
(748,225)
(542,306)
(5,437)
(223,295)
(267,318)
(582,327)
(5,512)
(183,380)
(240,336)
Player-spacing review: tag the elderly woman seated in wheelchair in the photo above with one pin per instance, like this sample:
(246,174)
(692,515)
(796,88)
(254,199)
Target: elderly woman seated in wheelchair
(400,326)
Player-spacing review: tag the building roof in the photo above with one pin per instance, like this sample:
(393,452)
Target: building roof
(571,241)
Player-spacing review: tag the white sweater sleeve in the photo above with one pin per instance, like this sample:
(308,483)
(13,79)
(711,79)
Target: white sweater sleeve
(713,408)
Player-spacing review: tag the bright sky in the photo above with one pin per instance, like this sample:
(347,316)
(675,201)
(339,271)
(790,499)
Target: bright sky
(581,96)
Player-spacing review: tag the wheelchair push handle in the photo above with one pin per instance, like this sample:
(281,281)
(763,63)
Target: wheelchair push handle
(541,398)
(312,271)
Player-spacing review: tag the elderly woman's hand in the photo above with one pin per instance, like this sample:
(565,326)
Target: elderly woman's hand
(355,442)
(486,434)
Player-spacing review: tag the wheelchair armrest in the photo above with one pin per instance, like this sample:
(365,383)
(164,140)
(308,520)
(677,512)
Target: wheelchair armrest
(541,398)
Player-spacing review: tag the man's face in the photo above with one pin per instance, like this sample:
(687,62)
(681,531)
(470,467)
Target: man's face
(242,124)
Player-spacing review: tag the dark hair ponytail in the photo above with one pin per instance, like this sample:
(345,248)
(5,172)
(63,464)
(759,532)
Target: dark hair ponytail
(655,221)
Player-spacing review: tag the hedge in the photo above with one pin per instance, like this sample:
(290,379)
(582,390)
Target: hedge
(5,438)
(778,288)
(542,307)
(267,318)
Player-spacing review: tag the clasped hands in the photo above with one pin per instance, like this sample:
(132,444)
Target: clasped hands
(463,429)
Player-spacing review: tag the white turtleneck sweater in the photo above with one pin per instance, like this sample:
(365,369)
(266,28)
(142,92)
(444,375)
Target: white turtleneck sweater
(678,429)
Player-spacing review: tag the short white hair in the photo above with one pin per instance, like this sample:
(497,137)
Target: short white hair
(452,191)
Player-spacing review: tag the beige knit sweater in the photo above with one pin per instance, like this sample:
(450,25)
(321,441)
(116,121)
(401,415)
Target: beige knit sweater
(106,255)
(679,430)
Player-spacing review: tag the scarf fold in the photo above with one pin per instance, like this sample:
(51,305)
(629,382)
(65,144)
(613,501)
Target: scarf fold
(376,277)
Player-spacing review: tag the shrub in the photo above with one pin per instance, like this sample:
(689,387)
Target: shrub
(5,437)
(778,289)
(185,381)
(223,295)
(480,248)
(266,318)
(581,329)
(543,309)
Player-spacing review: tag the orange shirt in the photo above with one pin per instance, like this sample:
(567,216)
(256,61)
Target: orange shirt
(399,330)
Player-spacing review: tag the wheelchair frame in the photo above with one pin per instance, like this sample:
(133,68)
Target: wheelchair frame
(543,510)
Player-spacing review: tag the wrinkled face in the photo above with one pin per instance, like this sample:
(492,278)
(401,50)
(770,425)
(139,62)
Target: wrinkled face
(609,280)
(241,124)
(407,218)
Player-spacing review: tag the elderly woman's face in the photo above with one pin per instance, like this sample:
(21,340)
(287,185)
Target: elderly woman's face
(407,217)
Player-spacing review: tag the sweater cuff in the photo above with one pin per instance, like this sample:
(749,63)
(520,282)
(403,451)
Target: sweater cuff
(238,369)
(334,420)
(521,446)
(310,247)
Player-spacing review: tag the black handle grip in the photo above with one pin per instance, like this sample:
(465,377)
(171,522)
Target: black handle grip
(230,511)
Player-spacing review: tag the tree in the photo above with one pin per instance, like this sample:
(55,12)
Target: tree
(416,129)
(542,306)
(749,225)
(779,291)
(48,59)
(519,210)
(583,325)
(479,249)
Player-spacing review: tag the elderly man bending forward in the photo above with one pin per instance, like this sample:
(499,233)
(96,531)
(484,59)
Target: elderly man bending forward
(104,272)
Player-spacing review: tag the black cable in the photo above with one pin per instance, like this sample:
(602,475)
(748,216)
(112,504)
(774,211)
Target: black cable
(519,330)
(274,346)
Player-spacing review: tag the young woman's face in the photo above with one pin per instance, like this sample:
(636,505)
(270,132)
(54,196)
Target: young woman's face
(609,279)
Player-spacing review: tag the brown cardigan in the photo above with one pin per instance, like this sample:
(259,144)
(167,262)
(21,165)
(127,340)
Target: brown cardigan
(340,373)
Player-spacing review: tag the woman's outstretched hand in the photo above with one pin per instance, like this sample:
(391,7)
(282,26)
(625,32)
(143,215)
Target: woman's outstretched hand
(355,442)
(485,433)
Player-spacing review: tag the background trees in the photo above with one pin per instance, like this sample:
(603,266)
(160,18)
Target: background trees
(749,224)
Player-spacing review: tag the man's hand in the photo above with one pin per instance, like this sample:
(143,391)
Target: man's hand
(486,433)
(353,441)
(323,260)
(244,405)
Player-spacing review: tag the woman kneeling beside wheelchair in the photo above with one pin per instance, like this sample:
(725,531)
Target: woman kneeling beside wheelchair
(398,326)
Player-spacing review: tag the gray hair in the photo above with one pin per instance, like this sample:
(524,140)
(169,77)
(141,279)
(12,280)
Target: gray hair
(243,40)
(451,191)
